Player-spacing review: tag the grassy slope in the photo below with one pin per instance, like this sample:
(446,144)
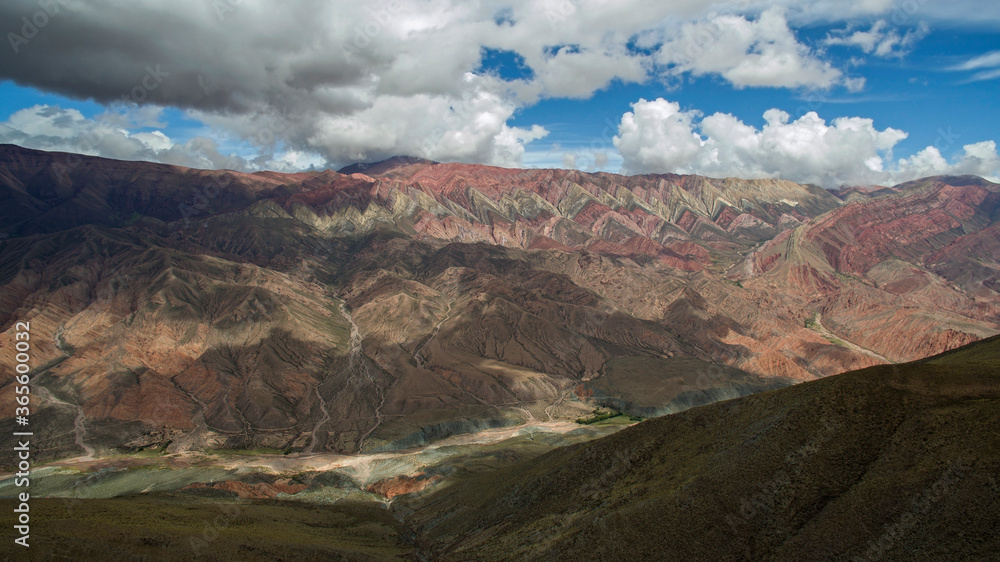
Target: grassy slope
(188,528)
(890,462)
(985,352)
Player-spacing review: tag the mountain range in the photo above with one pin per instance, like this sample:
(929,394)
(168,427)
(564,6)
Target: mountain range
(392,304)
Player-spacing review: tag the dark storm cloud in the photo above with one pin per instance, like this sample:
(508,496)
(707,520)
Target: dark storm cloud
(209,56)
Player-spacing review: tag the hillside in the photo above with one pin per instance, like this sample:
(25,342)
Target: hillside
(886,463)
(890,462)
(329,312)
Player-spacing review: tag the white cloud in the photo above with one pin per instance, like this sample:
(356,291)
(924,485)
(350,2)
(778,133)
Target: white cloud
(985,75)
(579,74)
(980,159)
(658,137)
(989,60)
(298,160)
(287,81)
(46,122)
(472,129)
(881,39)
(46,127)
(376,78)
(154,140)
(761,52)
(588,157)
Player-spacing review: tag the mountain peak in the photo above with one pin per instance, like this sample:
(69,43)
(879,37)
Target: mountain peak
(397,164)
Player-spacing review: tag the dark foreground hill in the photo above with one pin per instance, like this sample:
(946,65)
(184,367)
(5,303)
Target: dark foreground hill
(886,463)
(890,462)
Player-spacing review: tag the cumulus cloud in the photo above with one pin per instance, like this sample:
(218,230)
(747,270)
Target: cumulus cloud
(761,52)
(52,128)
(373,79)
(979,159)
(659,137)
(573,73)
(342,81)
(881,39)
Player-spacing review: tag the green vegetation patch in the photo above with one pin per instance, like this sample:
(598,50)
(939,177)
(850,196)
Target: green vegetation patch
(600,416)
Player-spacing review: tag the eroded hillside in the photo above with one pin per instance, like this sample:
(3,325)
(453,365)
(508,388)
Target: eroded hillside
(346,312)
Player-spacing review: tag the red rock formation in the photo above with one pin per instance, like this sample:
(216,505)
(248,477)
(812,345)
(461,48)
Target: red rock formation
(399,485)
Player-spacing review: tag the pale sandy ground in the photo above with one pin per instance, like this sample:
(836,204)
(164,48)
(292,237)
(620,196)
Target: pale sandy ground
(363,468)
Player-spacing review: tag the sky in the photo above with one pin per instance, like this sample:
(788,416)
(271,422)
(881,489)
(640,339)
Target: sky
(834,93)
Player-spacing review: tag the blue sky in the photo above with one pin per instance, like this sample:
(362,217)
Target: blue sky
(920,93)
(899,89)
